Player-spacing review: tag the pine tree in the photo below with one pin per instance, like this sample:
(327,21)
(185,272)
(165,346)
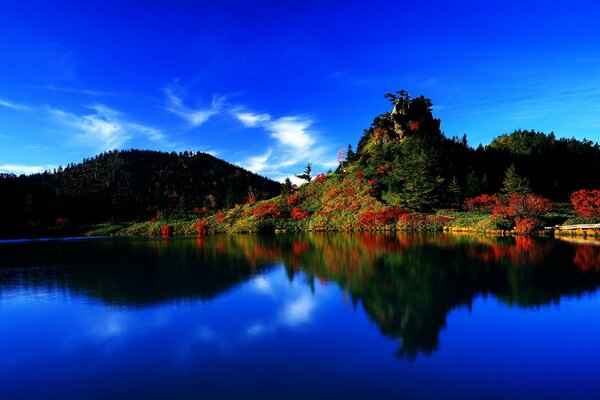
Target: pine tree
(513,183)
(454,193)
(306,175)
(287,186)
(350,154)
(474,186)
(419,186)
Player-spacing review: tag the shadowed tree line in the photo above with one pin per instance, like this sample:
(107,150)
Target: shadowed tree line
(125,186)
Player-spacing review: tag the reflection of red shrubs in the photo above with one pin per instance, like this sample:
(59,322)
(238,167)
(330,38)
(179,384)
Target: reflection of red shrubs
(167,231)
(300,247)
(61,221)
(299,214)
(587,258)
(484,203)
(267,210)
(587,203)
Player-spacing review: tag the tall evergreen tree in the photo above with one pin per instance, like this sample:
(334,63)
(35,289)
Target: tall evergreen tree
(419,186)
(455,195)
(513,183)
(287,186)
(306,175)
(474,186)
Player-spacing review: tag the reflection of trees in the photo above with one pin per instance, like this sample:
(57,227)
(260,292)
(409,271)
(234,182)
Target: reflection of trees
(406,283)
(137,272)
(409,283)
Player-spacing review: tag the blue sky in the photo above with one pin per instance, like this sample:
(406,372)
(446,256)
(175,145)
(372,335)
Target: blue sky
(274,85)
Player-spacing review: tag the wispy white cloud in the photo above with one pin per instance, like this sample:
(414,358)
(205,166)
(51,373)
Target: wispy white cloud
(195,117)
(19,169)
(106,128)
(72,90)
(292,132)
(13,105)
(294,143)
(250,119)
(258,163)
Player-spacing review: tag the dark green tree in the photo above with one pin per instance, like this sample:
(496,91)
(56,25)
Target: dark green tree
(306,175)
(287,186)
(513,183)
(350,154)
(474,186)
(418,185)
(455,194)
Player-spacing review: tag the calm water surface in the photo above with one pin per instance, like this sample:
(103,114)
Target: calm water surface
(300,316)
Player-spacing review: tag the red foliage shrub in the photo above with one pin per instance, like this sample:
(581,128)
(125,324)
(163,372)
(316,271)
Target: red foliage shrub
(320,178)
(360,174)
(299,214)
(500,210)
(383,169)
(267,210)
(527,225)
(372,182)
(414,125)
(167,231)
(484,203)
(528,205)
(386,216)
(202,226)
(251,200)
(220,217)
(331,193)
(587,203)
(522,205)
(292,199)
(350,192)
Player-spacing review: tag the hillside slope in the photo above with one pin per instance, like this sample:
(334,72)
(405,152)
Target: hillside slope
(125,186)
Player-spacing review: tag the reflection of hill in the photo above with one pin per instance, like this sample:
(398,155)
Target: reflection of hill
(134,272)
(406,283)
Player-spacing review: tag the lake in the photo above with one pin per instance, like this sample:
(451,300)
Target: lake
(300,316)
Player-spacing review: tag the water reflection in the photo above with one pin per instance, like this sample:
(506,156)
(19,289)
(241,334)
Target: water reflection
(406,283)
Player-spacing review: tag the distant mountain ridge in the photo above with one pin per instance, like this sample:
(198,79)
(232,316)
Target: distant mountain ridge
(124,186)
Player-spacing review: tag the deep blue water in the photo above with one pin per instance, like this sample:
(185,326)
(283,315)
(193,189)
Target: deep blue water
(300,316)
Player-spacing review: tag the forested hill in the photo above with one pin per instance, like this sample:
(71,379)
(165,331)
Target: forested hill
(124,186)
(411,158)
